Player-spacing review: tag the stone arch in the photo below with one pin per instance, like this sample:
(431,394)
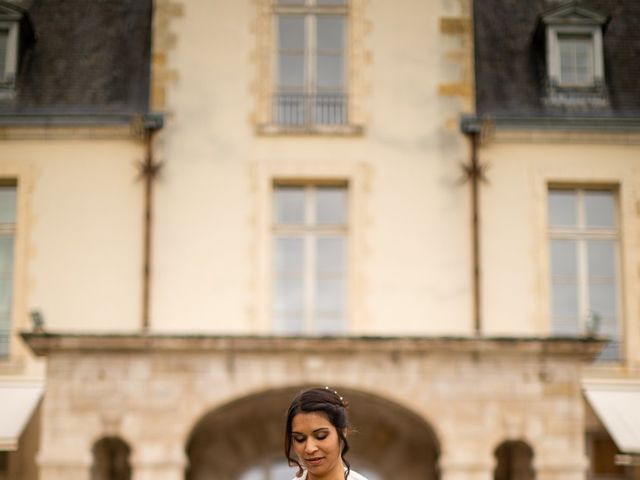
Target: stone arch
(514,461)
(387,437)
(111,459)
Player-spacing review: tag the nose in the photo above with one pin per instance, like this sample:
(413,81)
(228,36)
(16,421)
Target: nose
(310,446)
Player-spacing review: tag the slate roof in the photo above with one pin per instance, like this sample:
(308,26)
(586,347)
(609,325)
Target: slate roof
(88,57)
(510,59)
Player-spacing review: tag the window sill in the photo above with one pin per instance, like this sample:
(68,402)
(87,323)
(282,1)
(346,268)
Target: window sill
(272,129)
(577,96)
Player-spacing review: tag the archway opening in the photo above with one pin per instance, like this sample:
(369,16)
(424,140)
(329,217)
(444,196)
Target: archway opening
(111,460)
(514,461)
(244,440)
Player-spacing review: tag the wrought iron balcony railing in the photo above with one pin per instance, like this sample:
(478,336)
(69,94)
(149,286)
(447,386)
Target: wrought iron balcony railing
(307,110)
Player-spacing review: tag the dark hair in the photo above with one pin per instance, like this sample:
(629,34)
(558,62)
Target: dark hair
(332,405)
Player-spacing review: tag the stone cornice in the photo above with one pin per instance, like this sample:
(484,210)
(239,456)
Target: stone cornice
(56,125)
(470,124)
(46,344)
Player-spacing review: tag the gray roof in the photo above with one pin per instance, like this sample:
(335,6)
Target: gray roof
(88,57)
(510,60)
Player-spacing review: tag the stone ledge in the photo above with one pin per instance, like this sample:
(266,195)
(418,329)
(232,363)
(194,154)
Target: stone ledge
(328,130)
(51,343)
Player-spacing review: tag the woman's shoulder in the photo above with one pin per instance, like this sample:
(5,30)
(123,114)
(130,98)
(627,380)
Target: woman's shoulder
(353,475)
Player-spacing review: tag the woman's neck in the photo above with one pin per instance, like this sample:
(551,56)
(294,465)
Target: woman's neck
(335,474)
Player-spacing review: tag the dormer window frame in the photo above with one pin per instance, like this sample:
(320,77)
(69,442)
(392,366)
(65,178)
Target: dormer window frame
(574,21)
(554,62)
(9,70)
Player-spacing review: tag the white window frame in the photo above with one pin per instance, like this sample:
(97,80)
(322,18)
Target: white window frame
(310,11)
(581,235)
(11,55)
(309,231)
(553,53)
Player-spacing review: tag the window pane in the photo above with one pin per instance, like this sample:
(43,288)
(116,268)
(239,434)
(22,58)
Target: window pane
(330,72)
(331,255)
(331,2)
(601,259)
(562,208)
(564,303)
(602,299)
(330,296)
(329,325)
(289,204)
(330,31)
(576,59)
(7,205)
(290,255)
(289,296)
(599,209)
(290,70)
(291,2)
(6,274)
(331,205)
(5,301)
(611,352)
(566,63)
(584,61)
(289,323)
(564,261)
(7,218)
(291,32)
(608,326)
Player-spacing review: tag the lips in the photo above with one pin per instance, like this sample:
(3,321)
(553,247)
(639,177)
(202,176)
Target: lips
(313,461)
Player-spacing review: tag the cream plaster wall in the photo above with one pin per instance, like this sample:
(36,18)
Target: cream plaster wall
(79,238)
(515,253)
(409,232)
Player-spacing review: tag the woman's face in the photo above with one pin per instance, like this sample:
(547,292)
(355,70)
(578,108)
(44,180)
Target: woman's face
(316,443)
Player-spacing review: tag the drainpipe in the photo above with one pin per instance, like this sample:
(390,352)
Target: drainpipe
(149,170)
(474,172)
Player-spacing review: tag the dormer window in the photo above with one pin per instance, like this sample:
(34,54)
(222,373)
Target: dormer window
(574,51)
(8,48)
(15,32)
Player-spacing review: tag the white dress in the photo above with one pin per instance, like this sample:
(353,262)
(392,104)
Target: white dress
(352,476)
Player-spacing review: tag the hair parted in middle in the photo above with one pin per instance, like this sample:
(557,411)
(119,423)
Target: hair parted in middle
(333,406)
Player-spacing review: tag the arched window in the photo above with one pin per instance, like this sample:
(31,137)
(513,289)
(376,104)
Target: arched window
(111,460)
(514,461)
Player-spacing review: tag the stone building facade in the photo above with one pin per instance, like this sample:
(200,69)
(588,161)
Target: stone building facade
(209,205)
(212,407)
